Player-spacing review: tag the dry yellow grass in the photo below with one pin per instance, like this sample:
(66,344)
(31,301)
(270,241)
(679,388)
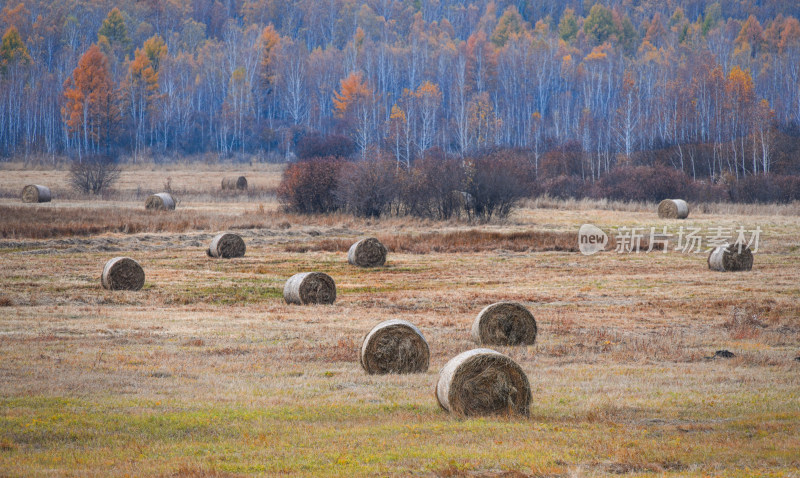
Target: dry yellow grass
(207,372)
(138,181)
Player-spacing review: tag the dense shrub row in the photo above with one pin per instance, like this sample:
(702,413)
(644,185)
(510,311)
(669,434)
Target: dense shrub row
(766,189)
(436,188)
(489,185)
(654,183)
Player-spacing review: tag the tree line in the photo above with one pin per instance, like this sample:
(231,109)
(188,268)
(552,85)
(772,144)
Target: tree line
(709,89)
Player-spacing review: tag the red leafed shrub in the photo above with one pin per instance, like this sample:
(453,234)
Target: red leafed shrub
(310,186)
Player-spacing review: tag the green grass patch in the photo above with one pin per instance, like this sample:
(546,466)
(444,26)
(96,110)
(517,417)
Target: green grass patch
(227,295)
(42,434)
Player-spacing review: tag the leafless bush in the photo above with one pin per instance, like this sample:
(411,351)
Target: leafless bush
(496,182)
(368,188)
(434,188)
(93,174)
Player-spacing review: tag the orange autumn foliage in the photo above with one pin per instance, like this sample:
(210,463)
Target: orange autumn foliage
(352,89)
(89,93)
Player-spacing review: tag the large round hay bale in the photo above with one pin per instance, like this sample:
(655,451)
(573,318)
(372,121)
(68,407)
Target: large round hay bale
(310,288)
(122,273)
(483,382)
(730,258)
(367,252)
(160,202)
(235,183)
(226,245)
(395,346)
(504,323)
(673,209)
(36,193)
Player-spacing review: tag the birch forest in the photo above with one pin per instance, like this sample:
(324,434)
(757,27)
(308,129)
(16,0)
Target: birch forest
(578,88)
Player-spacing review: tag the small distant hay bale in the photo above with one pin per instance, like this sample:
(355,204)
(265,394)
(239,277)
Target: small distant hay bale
(160,202)
(673,209)
(310,288)
(730,258)
(395,346)
(232,183)
(122,273)
(36,193)
(226,245)
(504,323)
(483,382)
(367,252)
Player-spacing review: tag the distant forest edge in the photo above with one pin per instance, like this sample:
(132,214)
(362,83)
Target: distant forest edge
(578,89)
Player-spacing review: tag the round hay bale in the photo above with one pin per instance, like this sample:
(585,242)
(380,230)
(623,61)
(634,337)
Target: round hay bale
(122,273)
(483,382)
(730,258)
(673,209)
(310,288)
(504,323)
(394,346)
(226,245)
(367,252)
(36,193)
(235,183)
(160,202)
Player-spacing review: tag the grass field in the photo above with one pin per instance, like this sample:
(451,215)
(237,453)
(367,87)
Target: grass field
(207,372)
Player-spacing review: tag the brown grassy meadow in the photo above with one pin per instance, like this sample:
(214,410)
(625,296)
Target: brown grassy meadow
(206,372)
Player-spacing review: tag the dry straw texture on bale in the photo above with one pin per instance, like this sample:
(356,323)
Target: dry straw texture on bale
(122,273)
(367,252)
(226,245)
(504,323)
(673,209)
(235,183)
(160,202)
(310,288)
(483,382)
(36,193)
(730,258)
(395,346)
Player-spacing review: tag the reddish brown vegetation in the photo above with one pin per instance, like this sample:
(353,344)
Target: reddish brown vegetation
(654,183)
(428,188)
(435,187)
(367,188)
(309,186)
(496,181)
(490,185)
(43,223)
